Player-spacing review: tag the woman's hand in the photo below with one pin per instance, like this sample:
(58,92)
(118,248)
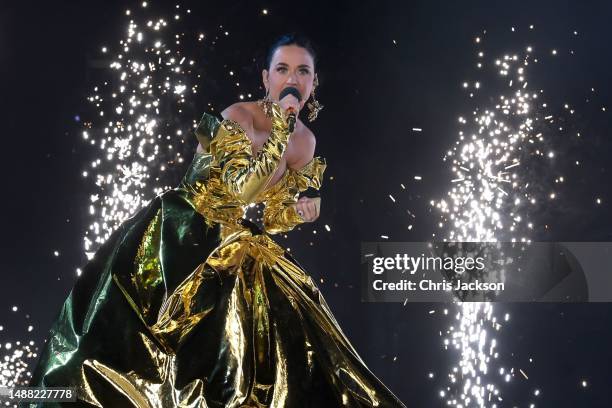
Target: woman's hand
(290,102)
(308,208)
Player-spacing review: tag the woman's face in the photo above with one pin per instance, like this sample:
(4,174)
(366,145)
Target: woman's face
(291,66)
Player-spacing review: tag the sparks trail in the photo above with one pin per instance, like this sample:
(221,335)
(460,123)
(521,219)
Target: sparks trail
(148,79)
(17,356)
(502,166)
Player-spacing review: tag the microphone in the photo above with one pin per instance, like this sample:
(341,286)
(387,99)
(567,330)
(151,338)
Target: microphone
(291,91)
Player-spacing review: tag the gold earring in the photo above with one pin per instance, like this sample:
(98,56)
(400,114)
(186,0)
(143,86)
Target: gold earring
(314,106)
(265,104)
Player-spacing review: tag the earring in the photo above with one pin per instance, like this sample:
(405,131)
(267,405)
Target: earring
(265,104)
(314,106)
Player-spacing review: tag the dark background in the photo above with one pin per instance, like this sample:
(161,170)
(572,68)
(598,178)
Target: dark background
(375,92)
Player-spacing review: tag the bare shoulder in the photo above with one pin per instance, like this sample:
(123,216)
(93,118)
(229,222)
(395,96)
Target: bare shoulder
(240,113)
(304,142)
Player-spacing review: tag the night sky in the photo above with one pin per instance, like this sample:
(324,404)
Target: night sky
(385,68)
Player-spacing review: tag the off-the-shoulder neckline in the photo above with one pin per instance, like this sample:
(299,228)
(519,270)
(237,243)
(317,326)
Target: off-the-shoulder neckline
(300,170)
(290,170)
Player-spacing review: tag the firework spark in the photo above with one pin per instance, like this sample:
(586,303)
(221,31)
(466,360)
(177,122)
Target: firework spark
(137,132)
(16,356)
(490,201)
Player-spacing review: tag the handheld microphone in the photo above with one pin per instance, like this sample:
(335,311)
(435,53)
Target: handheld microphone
(291,91)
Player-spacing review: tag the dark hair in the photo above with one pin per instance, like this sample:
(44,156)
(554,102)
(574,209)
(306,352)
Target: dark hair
(291,39)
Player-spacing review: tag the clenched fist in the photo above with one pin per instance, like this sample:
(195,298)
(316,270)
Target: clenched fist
(308,208)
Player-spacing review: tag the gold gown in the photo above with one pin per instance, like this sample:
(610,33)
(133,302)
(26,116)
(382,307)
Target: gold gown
(189,305)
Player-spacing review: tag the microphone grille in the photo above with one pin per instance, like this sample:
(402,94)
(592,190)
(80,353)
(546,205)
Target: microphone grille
(290,90)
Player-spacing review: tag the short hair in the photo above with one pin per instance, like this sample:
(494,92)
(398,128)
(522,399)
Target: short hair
(291,39)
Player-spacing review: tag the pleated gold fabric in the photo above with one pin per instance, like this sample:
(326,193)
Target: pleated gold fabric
(189,305)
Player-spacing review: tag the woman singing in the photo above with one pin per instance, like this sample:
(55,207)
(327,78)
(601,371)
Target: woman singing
(188,304)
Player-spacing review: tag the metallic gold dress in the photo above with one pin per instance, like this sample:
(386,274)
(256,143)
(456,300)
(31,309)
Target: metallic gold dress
(189,305)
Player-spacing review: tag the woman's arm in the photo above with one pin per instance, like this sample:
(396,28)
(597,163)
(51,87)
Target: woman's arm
(307,208)
(284,210)
(245,174)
